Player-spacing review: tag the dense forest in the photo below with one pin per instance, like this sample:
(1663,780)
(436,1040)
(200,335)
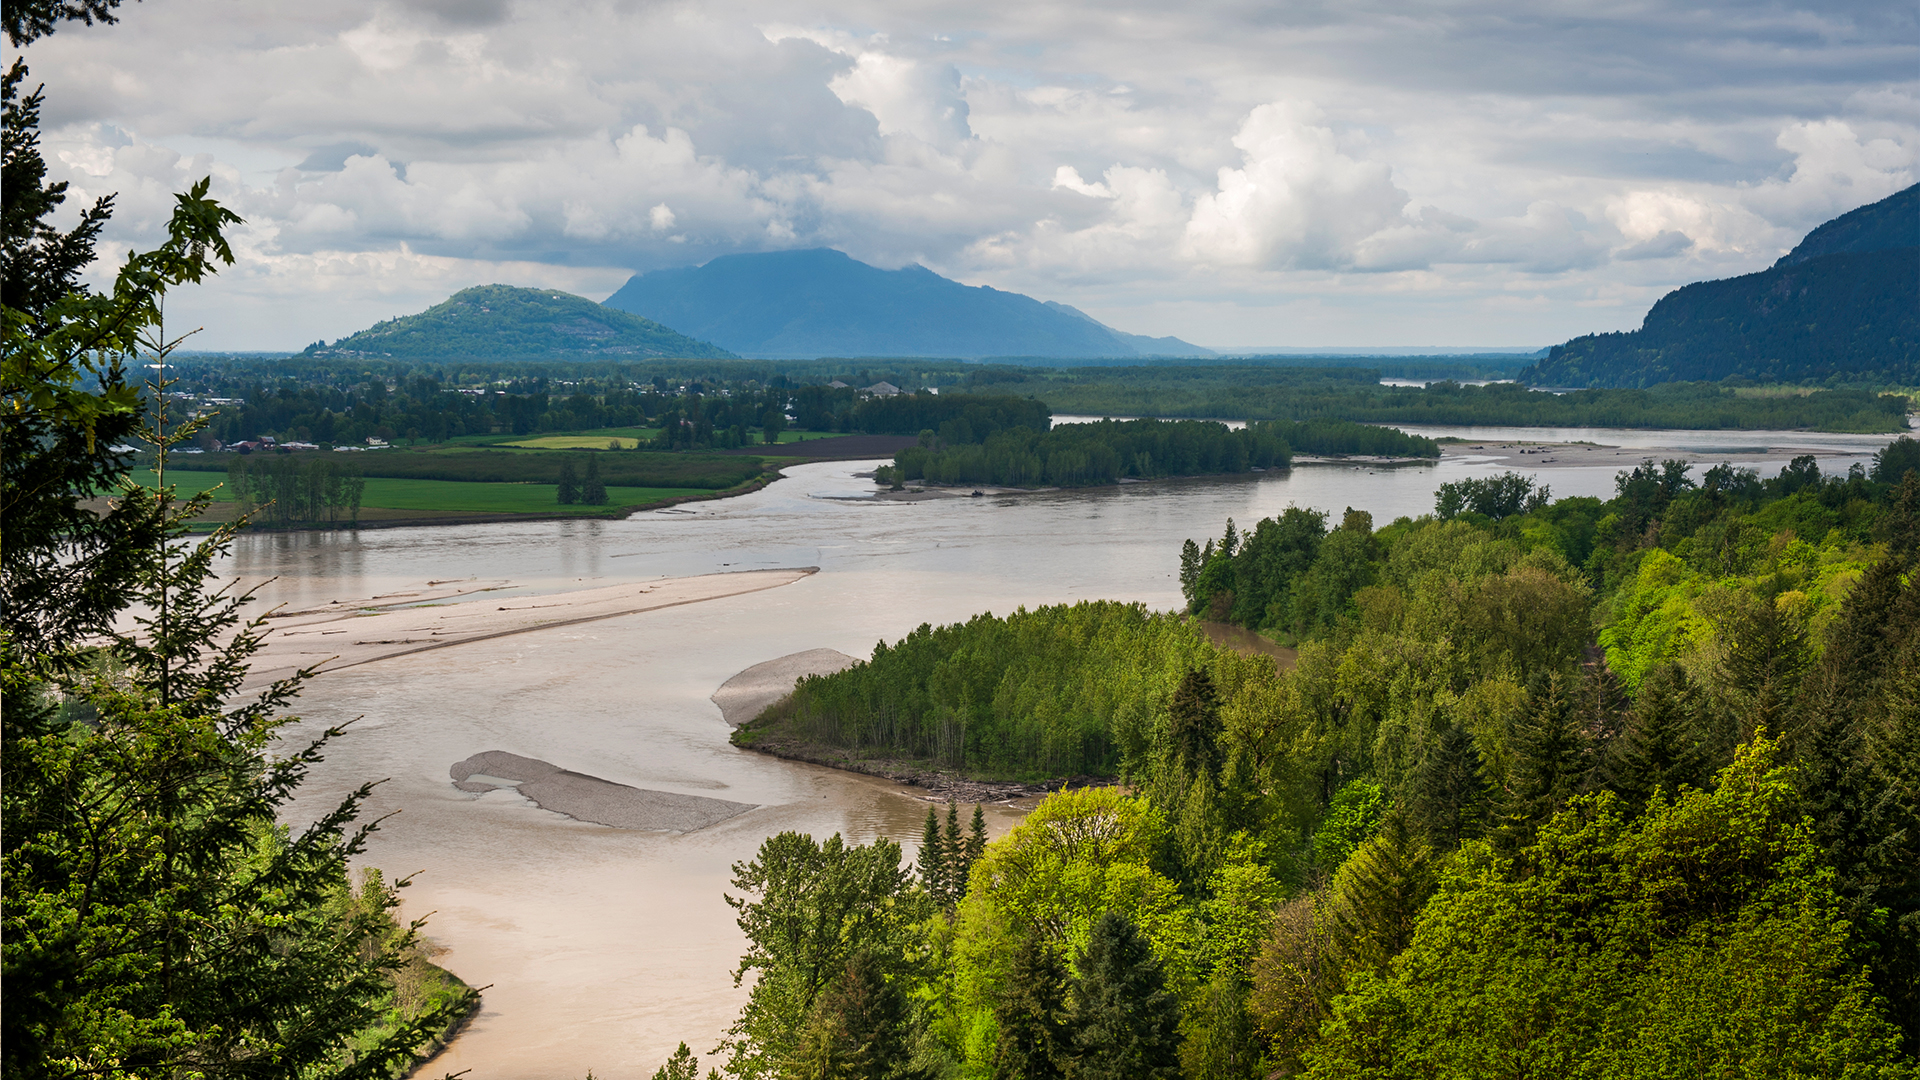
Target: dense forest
(1621,788)
(1078,455)
(1104,452)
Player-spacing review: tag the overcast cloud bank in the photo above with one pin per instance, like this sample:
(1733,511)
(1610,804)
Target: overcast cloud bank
(1303,175)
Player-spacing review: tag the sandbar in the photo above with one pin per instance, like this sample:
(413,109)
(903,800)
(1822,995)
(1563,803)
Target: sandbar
(1550,455)
(348,633)
(589,798)
(748,694)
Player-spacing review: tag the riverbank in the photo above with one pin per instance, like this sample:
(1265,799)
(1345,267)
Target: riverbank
(1572,455)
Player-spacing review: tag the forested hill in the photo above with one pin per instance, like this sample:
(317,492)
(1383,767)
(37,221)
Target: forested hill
(821,302)
(501,322)
(1845,303)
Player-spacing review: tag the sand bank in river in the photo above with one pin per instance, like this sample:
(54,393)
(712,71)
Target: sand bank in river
(589,798)
(1540,455)
(748,694)
(347,633)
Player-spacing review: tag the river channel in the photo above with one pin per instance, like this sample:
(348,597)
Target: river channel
(604,948)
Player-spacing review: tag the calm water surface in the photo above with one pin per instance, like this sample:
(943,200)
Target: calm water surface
(606,948)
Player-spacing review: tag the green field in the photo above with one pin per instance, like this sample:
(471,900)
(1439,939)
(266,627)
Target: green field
(448,495)
(576,442)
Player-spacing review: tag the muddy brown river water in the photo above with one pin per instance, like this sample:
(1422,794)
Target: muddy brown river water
(605,947)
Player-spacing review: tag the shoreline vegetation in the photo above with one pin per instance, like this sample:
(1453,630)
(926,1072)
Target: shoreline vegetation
(469,442)
(1675,727)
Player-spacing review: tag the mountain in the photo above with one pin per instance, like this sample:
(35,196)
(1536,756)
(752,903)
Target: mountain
(1845,303)
(500,322)
(821,302)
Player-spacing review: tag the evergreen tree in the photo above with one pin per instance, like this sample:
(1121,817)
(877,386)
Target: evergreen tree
(593,492)
(683,1065)
(1126,1024)
(1193,725)
(1450,798)
(1660,747)
(958,866)
(1853,744)
(976,838)
(1035,1040)
(933,862)
(1550,765)
(1378,895)
(857,1029)
(569,484)
(1222,1044)
(159,919)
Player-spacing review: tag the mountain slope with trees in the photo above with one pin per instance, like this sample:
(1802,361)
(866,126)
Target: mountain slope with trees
(821,302)
(1842,306)
(501,322)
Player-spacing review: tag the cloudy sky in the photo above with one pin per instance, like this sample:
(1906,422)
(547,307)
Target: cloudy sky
(1475,172)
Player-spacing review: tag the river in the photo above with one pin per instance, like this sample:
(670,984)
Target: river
(605,948)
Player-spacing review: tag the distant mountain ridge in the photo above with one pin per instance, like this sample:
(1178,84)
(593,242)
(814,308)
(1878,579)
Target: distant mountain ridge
(502,322)
(821,302)
(1844,303)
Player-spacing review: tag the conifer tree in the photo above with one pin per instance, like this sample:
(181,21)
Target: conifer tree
(593,492)
(976,842)
(569,492)
(1660,746)
(1193,725)
(1450,799)
(933,862)
(683,1065)
(1222,1044)
(1126,1023)
(954,846)
(1550,765)
(857,1029)
(1378,894)
(1035,1040)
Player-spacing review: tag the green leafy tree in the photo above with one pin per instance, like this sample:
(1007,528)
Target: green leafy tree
(1125,1022)
(569,492)
(809,908)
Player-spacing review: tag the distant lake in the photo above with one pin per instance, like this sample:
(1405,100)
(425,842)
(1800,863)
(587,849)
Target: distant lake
(607,948)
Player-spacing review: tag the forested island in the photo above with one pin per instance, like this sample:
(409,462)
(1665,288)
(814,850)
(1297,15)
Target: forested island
(1627,785)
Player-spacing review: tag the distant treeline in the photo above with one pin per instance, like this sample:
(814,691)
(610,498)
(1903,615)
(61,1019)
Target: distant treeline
(705,471)
(328,401)
(1258,394)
